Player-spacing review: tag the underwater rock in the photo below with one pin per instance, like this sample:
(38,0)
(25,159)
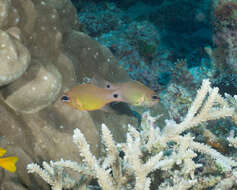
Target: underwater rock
(35,90)
(14,56)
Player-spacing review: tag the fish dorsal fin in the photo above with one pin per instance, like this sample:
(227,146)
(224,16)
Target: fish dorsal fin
(102,83)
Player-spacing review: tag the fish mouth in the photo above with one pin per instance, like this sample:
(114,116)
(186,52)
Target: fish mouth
(155,98)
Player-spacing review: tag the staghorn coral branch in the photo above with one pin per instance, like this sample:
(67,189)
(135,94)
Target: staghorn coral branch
(103,176)
(84,148)
(110,147)
(232,139)
(225,162)
(74,166)
(53,175)
(201,111)
(201,94)
(233,102)
(112,159)
(35,168)
(182,185)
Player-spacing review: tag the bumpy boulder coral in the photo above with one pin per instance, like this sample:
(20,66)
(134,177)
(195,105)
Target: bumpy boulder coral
(58,4)
(24,14)
(65,66)
(93,58)
(17,139)
(15,32)
(53,127)
(4,11)
(35,90)
(14,56)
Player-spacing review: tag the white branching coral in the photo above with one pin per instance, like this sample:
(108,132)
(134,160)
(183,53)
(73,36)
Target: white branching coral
(232,100)
(146,151)
(53,175)
(103,174)
(232,139)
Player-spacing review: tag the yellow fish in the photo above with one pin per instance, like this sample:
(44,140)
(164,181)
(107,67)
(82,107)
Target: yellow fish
(137,94)
(88,97)
(7,163)
(133,92)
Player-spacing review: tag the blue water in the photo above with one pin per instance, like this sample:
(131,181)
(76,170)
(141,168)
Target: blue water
(150,37)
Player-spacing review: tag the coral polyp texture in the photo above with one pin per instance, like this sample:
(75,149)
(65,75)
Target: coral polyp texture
(15,57)
(44,82)
(170,149)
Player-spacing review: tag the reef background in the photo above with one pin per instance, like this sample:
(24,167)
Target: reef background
(165,41)
(48,46)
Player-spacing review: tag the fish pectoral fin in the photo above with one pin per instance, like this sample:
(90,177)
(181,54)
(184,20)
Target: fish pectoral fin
(99,81)
(80,104)
(140,101)
(9,163)
(108,108)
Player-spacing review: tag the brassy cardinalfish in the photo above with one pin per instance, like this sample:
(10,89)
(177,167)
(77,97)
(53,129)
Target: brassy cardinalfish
(133,92)
(88,97)
(97,94)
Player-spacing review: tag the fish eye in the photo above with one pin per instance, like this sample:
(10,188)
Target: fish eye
(65,98)
(115,95)
(155,97)
(108,86)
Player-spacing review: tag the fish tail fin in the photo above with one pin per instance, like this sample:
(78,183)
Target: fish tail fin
(9,163)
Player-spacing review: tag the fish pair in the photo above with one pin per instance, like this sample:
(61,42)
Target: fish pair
(99,93)
(7,163)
